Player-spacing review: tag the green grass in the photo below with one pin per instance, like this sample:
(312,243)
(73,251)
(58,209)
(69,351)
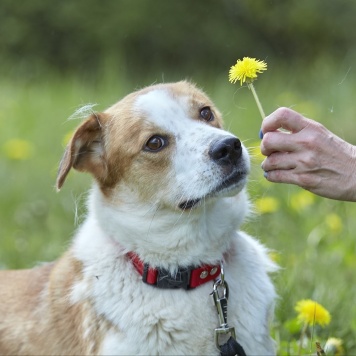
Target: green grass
(313,237)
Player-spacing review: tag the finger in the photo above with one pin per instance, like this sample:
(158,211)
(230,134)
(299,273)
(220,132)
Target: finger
(285,118)
(281,176)
(279,161)
(277,141)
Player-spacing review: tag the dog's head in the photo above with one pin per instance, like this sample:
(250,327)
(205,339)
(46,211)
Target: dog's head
(162,145)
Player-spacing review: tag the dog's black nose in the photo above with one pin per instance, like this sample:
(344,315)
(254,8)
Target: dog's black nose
(226,151)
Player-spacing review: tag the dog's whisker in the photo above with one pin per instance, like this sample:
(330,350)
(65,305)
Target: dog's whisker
(180,199)
(153,216)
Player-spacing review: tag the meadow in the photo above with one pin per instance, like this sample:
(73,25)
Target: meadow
(311,238)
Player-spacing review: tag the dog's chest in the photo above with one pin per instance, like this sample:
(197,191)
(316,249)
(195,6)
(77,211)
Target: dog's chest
(169,325)
(147,320)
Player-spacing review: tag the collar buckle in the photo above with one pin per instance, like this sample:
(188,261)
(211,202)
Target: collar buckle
(165,280)
(180,280)
(185,277)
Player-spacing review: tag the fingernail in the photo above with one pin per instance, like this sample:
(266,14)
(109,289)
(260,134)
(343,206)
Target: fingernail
(265,174)
(260,135)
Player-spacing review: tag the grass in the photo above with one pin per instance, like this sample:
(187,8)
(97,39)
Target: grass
(313,238)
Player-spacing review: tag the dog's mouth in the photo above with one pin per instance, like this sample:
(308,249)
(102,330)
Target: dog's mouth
(226,185)
(189,204)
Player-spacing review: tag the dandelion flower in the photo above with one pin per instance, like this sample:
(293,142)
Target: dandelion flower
(18,149)
(266,205)
(334,346)
(246,70)
(334,222)
(255,152)
(301,200)
(311,312)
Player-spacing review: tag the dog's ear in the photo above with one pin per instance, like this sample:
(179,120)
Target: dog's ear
(85,151)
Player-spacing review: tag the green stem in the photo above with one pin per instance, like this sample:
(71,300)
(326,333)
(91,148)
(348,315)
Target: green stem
(302,334)
(252,88)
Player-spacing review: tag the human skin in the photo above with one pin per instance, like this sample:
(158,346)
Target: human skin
(309,155)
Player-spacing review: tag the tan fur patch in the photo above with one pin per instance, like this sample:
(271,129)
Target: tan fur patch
(37,316)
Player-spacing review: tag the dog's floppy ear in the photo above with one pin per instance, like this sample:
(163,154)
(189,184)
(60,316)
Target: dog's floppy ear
(85,151)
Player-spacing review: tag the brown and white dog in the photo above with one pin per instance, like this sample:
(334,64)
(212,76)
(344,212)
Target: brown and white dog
(167,199)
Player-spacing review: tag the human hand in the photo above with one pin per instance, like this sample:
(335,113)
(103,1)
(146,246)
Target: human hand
(308,155)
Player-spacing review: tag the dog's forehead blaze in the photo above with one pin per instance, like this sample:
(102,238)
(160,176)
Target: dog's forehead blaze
(167,103)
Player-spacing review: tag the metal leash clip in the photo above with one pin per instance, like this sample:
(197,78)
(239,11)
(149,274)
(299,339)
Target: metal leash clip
(221,307)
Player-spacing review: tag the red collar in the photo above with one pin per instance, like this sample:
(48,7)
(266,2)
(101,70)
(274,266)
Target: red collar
(186,277)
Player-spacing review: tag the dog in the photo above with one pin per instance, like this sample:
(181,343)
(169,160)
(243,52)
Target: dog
(163,216)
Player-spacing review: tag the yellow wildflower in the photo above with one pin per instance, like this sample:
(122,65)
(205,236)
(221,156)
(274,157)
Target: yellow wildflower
(18,149)
(255,152)
(266,205)
(334,222)
(246,70)
(334,346)
(311,312)
(274,256)
(301,200)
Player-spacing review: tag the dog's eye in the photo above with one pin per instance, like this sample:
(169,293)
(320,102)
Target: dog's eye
(155,143)
(206,114)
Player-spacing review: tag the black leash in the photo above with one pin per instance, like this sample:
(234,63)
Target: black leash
(231,347)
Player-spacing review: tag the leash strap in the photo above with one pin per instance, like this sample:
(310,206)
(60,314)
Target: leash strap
(231,347)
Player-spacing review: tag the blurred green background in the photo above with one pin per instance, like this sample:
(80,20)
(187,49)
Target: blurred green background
(58,55)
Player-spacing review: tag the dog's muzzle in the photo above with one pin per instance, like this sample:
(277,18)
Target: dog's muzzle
(226,153)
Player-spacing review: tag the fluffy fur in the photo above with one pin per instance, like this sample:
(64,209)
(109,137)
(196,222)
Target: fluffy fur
(92,300)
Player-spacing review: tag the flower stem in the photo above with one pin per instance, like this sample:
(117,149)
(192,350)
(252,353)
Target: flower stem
(301,340)
(252,88)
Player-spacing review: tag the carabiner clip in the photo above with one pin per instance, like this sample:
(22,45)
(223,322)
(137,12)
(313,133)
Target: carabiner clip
(223,331)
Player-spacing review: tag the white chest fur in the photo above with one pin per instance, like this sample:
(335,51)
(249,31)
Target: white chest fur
(152,321)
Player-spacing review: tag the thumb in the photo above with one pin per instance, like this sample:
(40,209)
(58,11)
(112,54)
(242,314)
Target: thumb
(285,118)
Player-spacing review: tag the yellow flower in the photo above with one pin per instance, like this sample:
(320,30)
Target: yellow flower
(301,200)
(18,149)
(266,205)
(246,70)
(255,152)
(274,256)
(311,312)
(334,222)
(334,346)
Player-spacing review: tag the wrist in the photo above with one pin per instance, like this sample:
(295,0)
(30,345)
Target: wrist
(350,184)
